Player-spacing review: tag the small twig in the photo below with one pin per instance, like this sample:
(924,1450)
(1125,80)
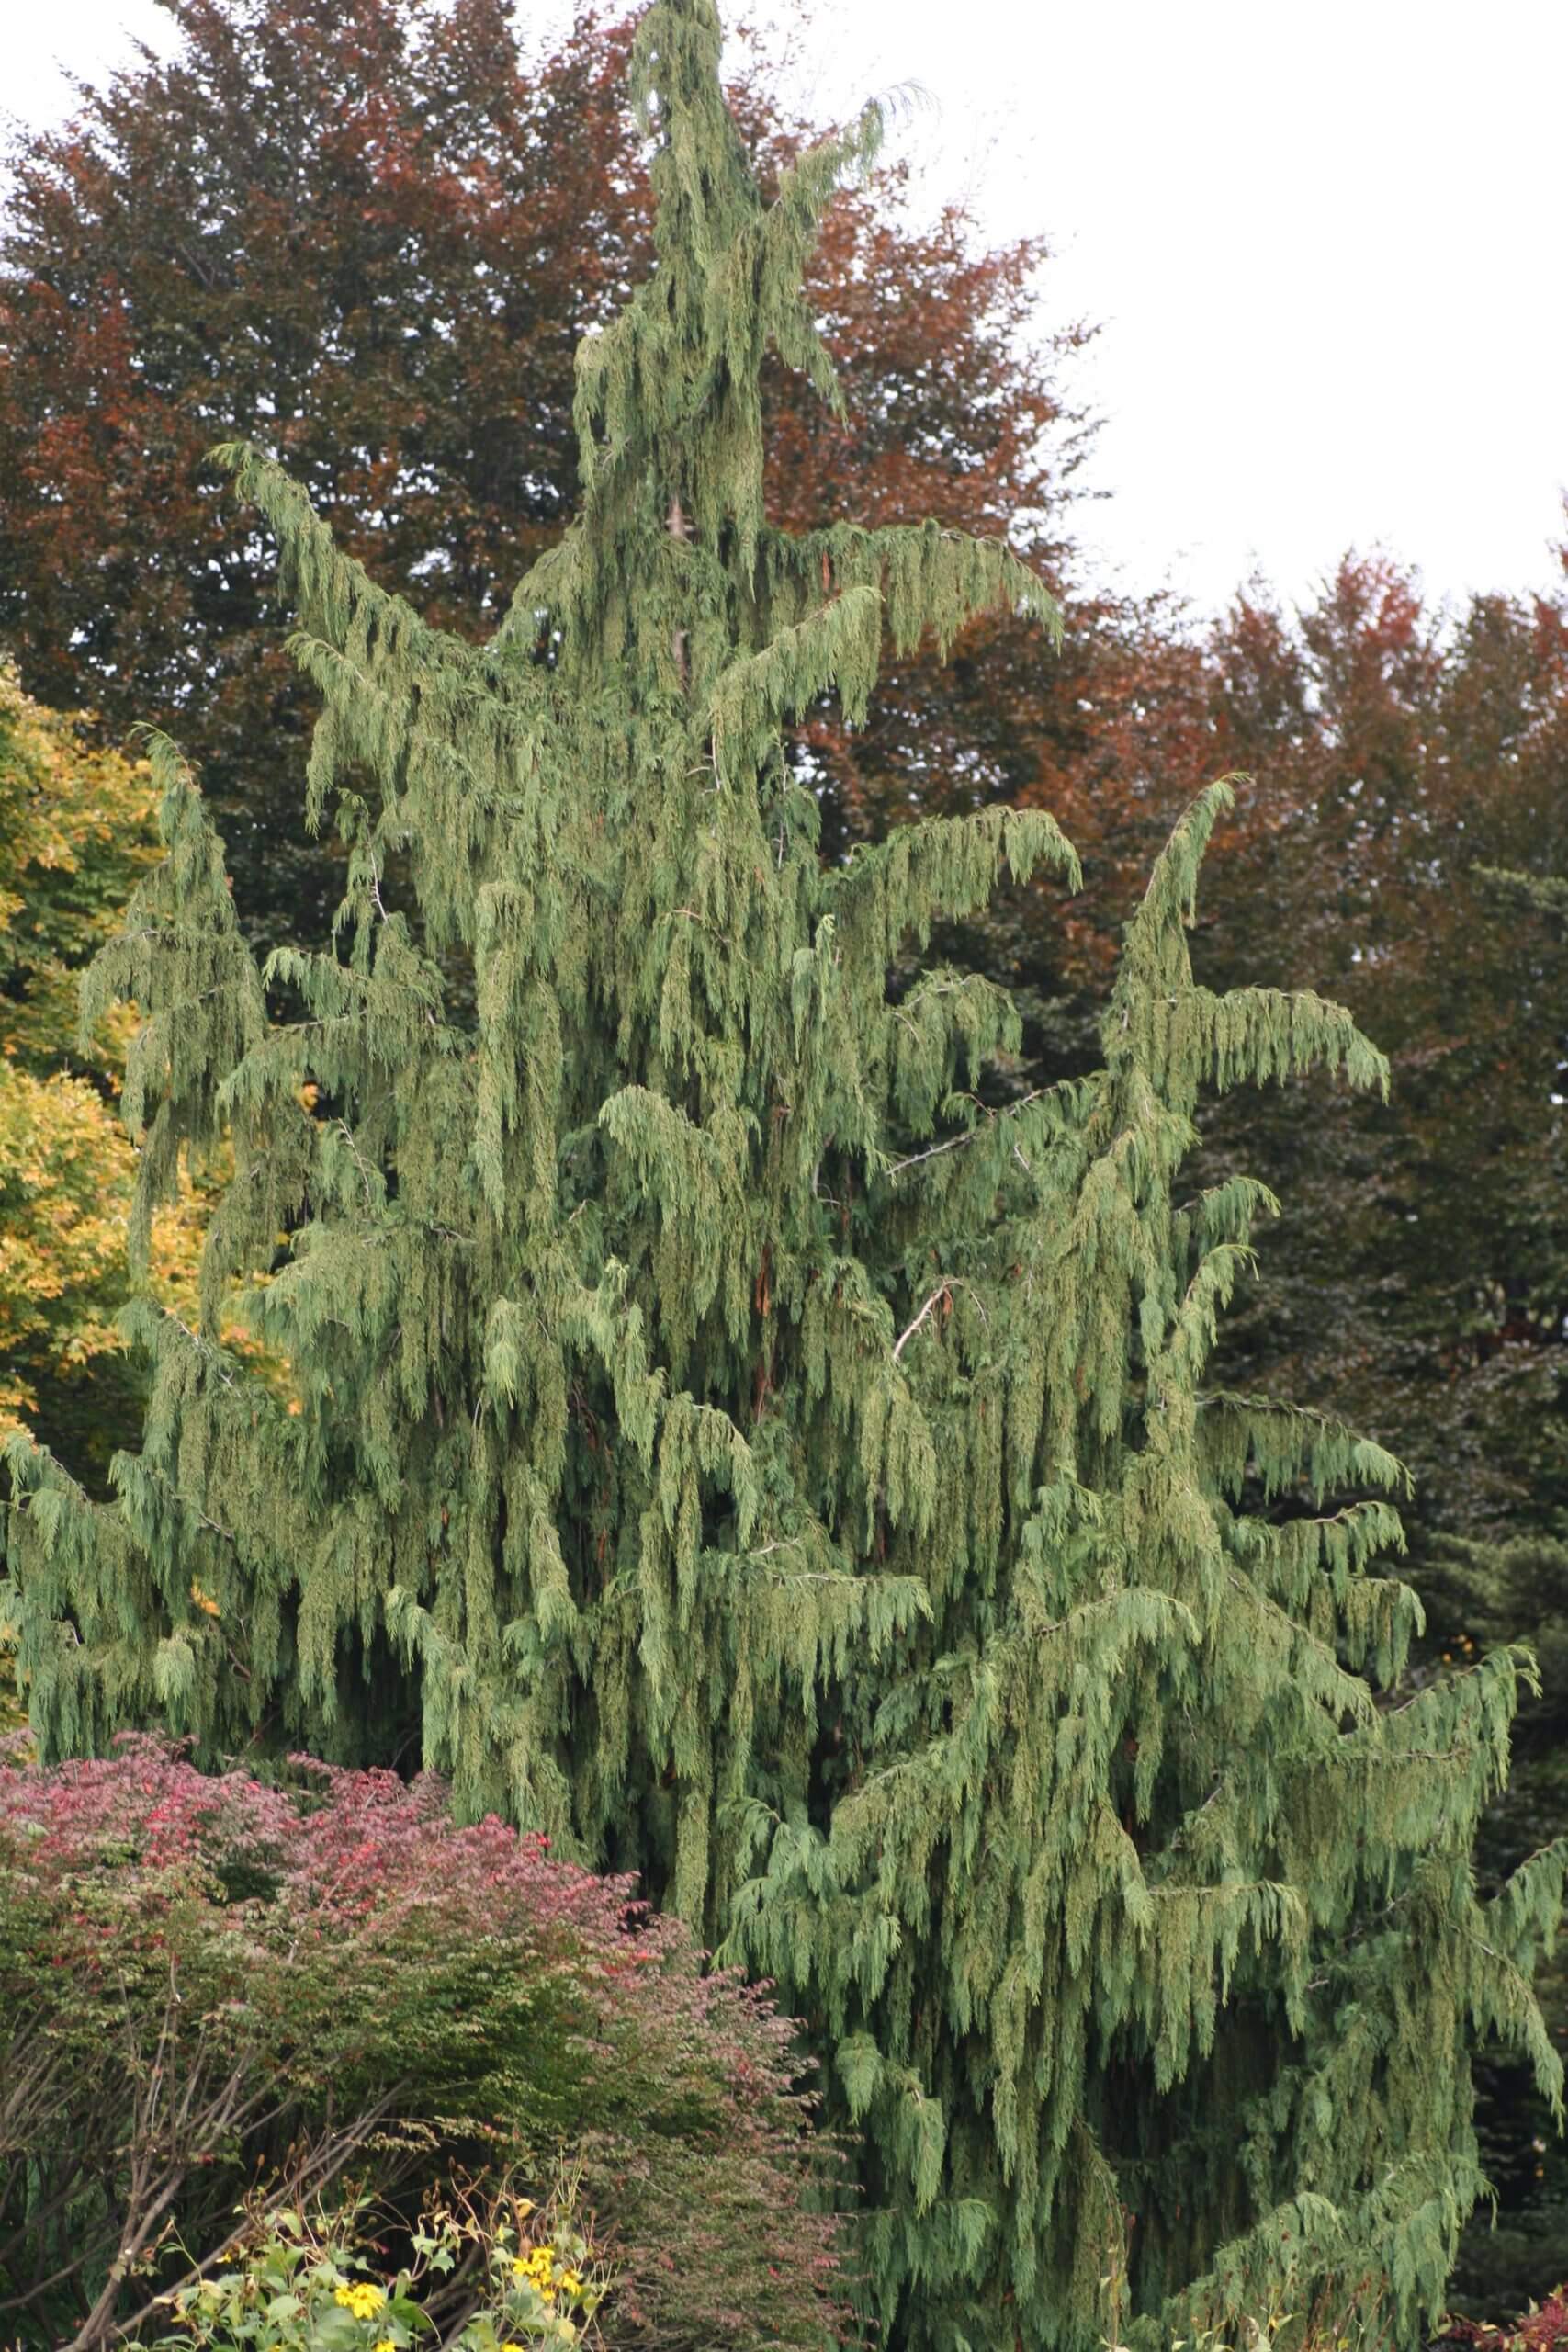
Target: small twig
(956,1143)
(681,640)
(942,1292)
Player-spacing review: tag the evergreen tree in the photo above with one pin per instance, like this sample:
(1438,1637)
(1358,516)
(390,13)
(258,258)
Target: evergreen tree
(1520,2249)
(734,1437)
(1521,1581)
(1417,1279)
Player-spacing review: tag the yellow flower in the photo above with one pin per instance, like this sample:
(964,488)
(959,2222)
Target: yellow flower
(571,2280)
(507,2347)
(362,2298)
(386,2345)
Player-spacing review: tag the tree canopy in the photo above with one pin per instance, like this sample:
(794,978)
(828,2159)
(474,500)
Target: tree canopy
(369,238)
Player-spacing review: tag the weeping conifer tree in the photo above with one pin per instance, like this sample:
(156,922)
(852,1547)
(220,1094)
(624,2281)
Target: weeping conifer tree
(733,1436)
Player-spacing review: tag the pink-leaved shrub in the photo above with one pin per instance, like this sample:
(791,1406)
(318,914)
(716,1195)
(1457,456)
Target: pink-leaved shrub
(1543,2328)
(211,1988)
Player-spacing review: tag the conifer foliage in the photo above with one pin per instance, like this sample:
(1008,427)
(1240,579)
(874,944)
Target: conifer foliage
(736,1437)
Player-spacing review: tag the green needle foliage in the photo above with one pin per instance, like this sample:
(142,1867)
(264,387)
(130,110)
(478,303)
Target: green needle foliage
(736,1438)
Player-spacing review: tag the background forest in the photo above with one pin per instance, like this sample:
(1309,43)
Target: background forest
(369,238)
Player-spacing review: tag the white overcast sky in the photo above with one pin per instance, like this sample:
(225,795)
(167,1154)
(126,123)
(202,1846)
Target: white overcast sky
(1325,239)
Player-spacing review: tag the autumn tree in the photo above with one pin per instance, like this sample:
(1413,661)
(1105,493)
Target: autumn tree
(1419,1278)
(306,226)
(368,237)
(75,833)
(75,828)
(729,1445)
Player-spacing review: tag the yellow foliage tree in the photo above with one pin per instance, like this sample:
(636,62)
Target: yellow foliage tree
(76,828)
